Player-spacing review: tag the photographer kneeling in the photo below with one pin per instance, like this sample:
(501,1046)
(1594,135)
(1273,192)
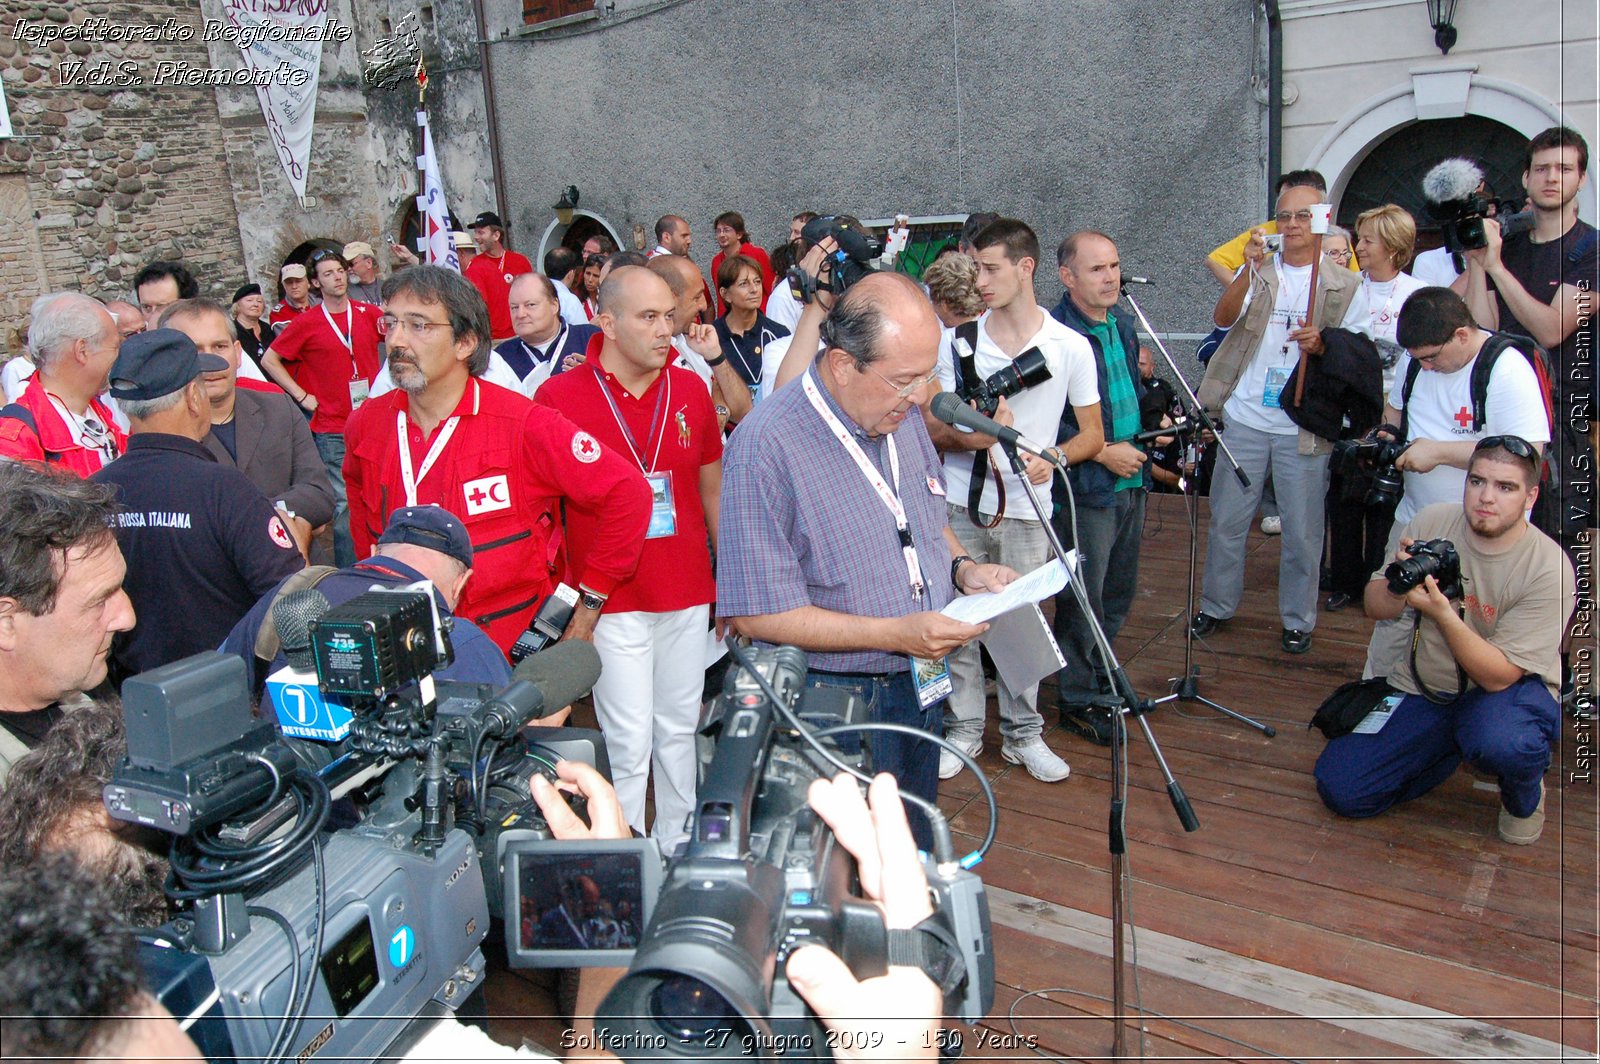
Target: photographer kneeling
(1481,680)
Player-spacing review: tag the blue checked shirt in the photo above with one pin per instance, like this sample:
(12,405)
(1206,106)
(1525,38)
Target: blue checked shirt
(800,525)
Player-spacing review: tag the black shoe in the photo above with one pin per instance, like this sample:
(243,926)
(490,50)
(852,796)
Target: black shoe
(1295,641)
(1204,624)
(1336,602)
(1091,722)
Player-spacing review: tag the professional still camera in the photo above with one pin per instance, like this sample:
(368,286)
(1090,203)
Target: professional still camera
(762,876)
(1458,200)
(1436,558)
(1372,459)
(1025,371)
(850,261)
(375,928)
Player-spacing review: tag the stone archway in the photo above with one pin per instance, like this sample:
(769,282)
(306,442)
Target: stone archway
(1442,92)
(546,242)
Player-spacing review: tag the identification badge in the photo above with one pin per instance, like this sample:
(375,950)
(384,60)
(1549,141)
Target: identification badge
(1277,377)
(358,392)
(663,514)
(932,679)
(1373,722)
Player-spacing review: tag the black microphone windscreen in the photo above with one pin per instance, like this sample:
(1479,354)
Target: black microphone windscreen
(563,672)
(293,615)
(947,406)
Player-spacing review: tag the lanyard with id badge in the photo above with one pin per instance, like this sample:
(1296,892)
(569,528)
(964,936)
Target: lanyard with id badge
(359,386)
(932,676)
(663,508)
(1278,376)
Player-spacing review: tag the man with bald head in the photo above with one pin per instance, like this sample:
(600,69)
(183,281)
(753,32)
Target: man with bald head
(839,538)
(59,418)
(697,346)
(651,636)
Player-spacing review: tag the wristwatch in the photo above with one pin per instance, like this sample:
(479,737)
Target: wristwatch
(955,567)
(591,601)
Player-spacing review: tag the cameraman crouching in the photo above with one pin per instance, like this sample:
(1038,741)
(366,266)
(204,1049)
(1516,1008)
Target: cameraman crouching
(1480,683)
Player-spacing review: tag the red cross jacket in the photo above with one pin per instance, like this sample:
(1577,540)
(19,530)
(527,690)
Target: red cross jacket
(505,471)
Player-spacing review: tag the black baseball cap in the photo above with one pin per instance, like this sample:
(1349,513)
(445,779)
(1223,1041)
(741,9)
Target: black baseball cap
(159,362)
(486,218)
(430,526)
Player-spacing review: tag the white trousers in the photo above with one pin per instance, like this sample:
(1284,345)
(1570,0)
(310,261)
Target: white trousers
(648,701)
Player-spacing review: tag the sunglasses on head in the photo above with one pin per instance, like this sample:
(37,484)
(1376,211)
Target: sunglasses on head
(1514,444)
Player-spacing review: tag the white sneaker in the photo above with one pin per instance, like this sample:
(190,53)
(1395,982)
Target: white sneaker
(1040,761)
(950,765)
(1272,526)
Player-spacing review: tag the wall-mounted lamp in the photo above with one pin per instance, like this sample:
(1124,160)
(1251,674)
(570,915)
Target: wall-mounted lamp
(568,203)
(1441,16)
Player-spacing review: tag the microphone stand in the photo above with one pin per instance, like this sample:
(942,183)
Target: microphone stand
(1186,688)
(1124,700)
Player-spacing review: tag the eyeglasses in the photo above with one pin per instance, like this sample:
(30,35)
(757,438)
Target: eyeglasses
(416,327)
(1339,256)
(1514,444)
(908,390)
(325,256)
(1302,216)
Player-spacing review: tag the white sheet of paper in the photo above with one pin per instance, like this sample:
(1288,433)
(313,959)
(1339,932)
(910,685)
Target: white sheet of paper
(1025,590)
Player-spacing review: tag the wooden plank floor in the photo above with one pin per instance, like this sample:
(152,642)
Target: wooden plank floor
(1276,930)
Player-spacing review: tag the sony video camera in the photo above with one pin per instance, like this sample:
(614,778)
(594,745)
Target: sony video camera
(374,929)
(1372,459)
(851,260)
(1436,558)
(1458,200)
(762,876)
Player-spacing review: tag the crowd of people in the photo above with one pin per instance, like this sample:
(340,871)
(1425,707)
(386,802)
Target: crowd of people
(681,457)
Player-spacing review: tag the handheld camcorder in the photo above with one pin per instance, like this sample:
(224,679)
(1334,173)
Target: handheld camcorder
(1025,371)
(1372,459)
(850,261)
(374,929)
(1457,200)
(762,876)
(1436,558)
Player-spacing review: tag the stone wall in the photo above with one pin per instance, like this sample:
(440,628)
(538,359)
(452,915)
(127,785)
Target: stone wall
(116,174)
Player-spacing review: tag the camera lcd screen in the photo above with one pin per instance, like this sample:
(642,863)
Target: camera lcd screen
(578,903)
(350,968)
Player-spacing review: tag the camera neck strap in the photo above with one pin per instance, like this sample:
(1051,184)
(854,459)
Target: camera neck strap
(982,461)
(1461,675)
(889,495)
(932,947)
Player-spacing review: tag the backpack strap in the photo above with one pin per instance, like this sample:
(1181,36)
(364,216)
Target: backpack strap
(267,642)
(1413,368)
(1483,368)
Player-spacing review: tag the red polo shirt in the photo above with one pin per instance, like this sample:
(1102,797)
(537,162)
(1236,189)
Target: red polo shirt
(674,571)
(313,348)
(505,470)
(285,312)
(492,278)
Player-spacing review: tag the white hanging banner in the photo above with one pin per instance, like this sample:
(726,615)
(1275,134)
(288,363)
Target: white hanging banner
(282,44)
(435,245)
(5,114)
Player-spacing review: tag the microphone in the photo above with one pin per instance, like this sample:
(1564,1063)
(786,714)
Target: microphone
(293,615)
(1129,278)
(948,407)
(1451,181)
(551,678)
(303,711)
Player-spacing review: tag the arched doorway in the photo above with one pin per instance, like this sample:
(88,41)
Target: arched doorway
(1393,171)
(584,225)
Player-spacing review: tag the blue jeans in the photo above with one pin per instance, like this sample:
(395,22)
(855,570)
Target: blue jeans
(1508,733)
(891,698)
(330,445)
